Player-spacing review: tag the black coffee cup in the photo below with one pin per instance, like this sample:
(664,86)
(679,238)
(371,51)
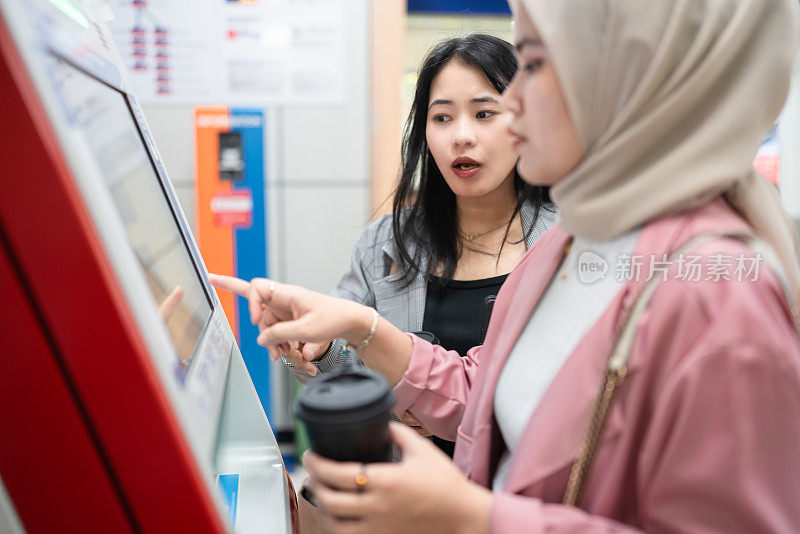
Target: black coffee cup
(347,415)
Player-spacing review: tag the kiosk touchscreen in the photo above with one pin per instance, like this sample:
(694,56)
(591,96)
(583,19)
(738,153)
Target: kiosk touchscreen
(125,402)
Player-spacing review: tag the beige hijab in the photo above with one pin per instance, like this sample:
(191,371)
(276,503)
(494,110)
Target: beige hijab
(671,99)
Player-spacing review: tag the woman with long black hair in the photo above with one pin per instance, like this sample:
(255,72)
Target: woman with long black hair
(462,217)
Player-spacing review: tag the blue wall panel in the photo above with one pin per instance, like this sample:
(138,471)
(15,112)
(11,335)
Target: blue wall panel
(250,244)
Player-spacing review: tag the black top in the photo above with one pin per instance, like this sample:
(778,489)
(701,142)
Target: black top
(455,311)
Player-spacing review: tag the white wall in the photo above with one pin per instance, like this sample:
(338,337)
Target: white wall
(319,176)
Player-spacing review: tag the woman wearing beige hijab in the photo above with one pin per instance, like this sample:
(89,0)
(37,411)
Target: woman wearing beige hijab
(642,368)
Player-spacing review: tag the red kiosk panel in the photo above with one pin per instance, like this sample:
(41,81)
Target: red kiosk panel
(87,404)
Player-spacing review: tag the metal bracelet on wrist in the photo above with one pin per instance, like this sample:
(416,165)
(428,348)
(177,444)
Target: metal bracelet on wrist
(361,346)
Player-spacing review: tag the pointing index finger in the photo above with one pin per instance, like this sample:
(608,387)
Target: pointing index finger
(229,283)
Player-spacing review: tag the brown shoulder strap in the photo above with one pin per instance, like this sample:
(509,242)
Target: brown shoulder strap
(616,370)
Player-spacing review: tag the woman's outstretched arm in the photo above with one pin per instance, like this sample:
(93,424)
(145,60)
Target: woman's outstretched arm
(287,313)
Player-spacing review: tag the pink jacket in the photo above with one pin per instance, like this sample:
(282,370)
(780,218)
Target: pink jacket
(703,436)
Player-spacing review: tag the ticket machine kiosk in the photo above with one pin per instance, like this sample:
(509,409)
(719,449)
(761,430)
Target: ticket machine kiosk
(124,402)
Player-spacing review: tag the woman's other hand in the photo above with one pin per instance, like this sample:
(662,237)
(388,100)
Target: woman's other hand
(294,355)
(303,355)
(424,493)
(413,424)
(314,351)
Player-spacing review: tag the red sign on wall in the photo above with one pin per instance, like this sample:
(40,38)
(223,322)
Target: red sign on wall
(233,209)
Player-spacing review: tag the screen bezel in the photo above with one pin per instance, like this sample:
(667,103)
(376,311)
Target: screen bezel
(172,201)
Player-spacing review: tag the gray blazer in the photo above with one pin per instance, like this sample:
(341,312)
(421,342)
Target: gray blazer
(368,281)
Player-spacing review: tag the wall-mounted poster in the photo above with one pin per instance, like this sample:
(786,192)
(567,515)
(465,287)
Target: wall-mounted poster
(243,52)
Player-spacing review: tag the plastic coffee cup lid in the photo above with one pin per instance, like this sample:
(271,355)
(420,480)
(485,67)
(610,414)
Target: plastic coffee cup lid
(350,395)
